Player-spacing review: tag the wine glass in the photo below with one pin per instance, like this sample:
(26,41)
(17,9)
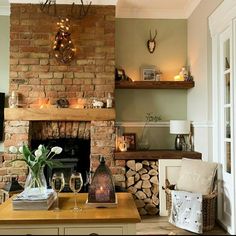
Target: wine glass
(58,183)
(76,183)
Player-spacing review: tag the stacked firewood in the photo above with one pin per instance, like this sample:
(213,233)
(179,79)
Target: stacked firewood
(142,182)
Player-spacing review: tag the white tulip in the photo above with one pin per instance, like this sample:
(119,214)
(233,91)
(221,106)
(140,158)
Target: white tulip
(56,149)
(13,149)
(21,150)
(40,147)
(38,153)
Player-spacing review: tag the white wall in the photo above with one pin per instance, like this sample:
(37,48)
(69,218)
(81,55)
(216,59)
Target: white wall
(199,103)
(4,56)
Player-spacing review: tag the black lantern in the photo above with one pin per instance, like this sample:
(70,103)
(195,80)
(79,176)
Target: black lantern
(11,188)
(102,189)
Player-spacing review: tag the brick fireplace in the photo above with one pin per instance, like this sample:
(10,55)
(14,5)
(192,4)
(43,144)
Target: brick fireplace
(36,75)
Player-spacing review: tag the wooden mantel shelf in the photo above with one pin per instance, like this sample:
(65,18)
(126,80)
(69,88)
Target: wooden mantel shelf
(156,154)
(58,114)
(154,84)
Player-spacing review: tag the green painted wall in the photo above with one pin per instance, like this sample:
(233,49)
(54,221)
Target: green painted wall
(4,56)
(170,55)
(133,105)
(131,50)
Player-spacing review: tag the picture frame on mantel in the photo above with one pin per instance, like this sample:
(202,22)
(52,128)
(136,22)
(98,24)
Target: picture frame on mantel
(148,73)
(130,139)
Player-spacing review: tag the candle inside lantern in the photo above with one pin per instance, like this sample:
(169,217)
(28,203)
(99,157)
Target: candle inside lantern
(102,195)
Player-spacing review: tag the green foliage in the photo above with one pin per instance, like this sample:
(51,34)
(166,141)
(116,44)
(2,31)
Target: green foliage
(37,159)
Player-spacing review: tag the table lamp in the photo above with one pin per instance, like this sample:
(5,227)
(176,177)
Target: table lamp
(179,127)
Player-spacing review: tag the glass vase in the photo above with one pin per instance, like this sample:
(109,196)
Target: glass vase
(35,184)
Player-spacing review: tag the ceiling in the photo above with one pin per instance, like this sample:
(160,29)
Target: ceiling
(156,9)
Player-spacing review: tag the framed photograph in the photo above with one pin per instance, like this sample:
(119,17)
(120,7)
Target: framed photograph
(130,138)
(148,74)
(119,74)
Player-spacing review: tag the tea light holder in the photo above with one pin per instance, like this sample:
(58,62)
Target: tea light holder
(101,192)
(13,100)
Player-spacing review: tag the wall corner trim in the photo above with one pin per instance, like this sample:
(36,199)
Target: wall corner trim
(4,10)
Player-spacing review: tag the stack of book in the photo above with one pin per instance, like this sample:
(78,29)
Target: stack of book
(40,202)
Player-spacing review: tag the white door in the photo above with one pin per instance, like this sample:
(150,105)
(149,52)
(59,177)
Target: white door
(226,209)
(222,24)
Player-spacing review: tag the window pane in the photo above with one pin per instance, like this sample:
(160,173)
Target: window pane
(227,54)
(227,89)
(227,123)
(228,157)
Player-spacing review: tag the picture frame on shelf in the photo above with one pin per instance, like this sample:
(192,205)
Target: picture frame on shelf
(148,73)
(130,139)
(119,74)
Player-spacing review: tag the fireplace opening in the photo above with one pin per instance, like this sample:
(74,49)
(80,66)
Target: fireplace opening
(75,156)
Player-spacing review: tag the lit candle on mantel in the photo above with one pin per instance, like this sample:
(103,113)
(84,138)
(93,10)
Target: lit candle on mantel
(178,78)
(102,195)
(81,103)
(44,103)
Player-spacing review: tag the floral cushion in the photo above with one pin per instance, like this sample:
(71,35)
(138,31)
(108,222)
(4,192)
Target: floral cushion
(196,176)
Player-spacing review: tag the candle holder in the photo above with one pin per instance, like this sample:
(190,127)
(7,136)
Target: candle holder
(101,192)
(13,100)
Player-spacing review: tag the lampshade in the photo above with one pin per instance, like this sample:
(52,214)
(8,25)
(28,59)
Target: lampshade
(179,126)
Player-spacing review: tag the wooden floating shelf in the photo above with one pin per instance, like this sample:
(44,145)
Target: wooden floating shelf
(59,114)
(156,154)
(154,84)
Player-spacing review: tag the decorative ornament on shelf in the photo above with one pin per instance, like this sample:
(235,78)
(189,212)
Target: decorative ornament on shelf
(97,104)
(121,75)
(63,48)
(158,75)
(62,103)
(184,75)
(36,184)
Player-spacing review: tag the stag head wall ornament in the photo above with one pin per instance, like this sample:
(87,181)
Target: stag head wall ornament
(151,43)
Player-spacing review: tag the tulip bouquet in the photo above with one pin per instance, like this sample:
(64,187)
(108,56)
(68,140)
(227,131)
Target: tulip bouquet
(36,161)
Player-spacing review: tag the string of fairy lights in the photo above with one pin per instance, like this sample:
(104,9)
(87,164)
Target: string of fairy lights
(63,48)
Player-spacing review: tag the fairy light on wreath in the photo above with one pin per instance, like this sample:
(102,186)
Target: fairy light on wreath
(64,49)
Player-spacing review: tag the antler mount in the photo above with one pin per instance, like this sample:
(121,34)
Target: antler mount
(78,11)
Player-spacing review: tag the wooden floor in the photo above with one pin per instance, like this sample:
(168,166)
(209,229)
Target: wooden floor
(158,225)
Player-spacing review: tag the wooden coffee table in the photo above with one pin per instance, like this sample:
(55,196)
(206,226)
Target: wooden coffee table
(120,220)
